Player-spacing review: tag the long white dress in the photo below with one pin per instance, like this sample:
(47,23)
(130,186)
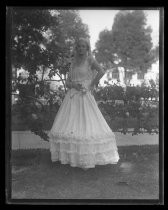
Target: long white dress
(80,136)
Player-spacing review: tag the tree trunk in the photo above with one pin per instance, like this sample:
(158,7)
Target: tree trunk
(42,78)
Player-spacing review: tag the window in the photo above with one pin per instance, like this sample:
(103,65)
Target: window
(115,74)
(128,75)
(140,75)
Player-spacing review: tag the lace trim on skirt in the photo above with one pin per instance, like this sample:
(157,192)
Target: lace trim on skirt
(83,152)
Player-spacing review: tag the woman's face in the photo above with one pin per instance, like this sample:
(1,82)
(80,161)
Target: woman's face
(82,48)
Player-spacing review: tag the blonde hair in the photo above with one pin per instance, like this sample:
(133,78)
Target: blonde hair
(89,55)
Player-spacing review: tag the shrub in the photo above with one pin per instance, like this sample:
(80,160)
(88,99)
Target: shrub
(134,108)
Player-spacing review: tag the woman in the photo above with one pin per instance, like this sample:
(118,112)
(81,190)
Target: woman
(80,135)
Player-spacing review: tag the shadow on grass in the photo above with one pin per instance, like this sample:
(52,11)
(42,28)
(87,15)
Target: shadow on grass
(135,176)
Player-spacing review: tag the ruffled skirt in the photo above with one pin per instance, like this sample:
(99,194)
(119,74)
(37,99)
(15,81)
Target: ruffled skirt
(80,136)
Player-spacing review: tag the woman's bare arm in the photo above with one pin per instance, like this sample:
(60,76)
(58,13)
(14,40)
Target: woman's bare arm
(99,75)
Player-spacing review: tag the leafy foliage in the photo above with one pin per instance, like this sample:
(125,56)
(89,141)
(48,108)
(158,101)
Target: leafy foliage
(128,44)
(140,103)
(28,27)
(117,106)
(42,40)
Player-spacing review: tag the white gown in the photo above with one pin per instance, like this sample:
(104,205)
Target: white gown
(80,136)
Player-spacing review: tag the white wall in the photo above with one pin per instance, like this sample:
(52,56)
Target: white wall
(151,74)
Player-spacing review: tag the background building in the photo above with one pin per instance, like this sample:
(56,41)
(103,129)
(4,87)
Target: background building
(115,76)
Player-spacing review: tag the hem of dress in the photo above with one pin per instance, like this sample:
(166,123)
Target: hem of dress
(83,167)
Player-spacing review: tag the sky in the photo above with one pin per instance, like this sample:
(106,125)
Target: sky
(98,20)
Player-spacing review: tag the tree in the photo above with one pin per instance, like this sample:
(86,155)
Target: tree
(104,47)
(71,28)
(128,44)
(42,40)
(28,27)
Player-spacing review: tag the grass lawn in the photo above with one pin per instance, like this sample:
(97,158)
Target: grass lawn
(136,176)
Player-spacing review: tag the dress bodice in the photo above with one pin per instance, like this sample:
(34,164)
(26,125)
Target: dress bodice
(82,72)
